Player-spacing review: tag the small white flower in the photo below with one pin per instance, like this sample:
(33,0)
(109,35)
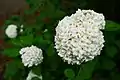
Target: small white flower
(45,30)
(21,26)
(32,75)
(31,56)
(21,30)
(11,31)
(79,37)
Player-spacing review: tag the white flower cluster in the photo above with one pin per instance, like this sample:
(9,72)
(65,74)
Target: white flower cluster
(31,56)
(32,75)
(11,31)
(79,37)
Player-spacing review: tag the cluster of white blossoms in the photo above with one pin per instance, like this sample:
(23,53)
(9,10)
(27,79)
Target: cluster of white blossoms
(79,37)
(32,75)
(11,31)
(31,56)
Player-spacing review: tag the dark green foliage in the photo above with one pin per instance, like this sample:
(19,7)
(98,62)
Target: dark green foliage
(69,73)
(37,70)
(27,40)
(112,26)
(41,31)
(11,52)
(51,50)
(107,63)
(86,70)
(12,68)
(111,51)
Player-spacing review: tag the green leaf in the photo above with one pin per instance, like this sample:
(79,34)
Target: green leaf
(69,73)
(86,70)
(12,68)
(27,40)
(15,18)
(107,64)
(36,70)
(16,42)
(47,35)
(8,22)
(11,52)
(117,42)
(112,26)
(41,42)
(59,14)
(29,12)
(47,76)
(48,11)
(111,51)
(109,37)
(51,50)
(28,31)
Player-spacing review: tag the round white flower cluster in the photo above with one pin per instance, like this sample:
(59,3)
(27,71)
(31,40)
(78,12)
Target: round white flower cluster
(31,56)
(11,31)
(32,75)
(79,37)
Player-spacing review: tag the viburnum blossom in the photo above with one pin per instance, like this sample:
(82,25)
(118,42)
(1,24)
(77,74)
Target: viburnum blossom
(32,75)
(11,31)
(79,37)
(31,56)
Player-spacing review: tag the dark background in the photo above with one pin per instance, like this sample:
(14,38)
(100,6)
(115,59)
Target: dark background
(110,9)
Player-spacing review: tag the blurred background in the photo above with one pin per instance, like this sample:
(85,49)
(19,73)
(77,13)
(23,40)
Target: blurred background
(110,9)
(8,8)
